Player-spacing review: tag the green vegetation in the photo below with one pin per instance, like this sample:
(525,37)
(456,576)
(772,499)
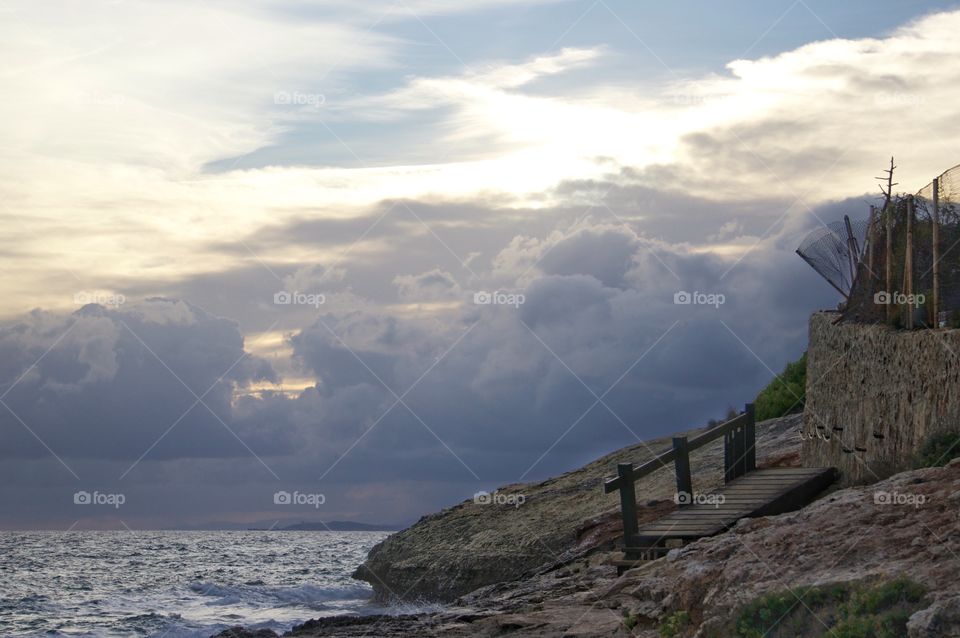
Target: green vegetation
(786,393)
(939,448)
(674,624)
(878,610)
(629,620)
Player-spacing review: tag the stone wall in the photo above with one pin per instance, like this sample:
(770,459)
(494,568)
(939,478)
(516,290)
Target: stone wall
(874,394)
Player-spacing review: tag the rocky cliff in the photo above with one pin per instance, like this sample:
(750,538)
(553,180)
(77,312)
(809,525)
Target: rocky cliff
(453,552)
(880,559)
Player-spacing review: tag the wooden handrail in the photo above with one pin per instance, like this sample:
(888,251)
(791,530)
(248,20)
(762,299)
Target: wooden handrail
(739,458)
(669,456)
(639,471)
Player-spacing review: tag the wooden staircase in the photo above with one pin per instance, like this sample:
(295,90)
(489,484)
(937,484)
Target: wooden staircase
(748,492)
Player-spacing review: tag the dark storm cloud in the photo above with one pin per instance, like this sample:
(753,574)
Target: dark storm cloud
(491,392)
(107,383)
(517,377)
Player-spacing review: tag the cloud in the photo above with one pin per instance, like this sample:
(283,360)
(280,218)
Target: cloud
(428,286)
(494,391)
(588,202)
(108,383)
(145,117)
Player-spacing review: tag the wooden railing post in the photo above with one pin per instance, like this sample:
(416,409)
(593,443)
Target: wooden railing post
(750,432)
(628,502)
(936,252)
(739,451)
(728,457)
(681,464)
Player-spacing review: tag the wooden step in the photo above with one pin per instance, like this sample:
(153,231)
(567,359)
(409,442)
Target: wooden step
(760,493)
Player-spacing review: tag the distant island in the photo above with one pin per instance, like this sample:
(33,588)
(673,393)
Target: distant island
(332,526)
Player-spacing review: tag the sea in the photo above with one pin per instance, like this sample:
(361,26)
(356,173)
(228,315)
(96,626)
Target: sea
(174,584)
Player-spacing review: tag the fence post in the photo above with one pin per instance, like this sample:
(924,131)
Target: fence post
(908,262)
(936,252)
(628,502)
(750,432)
(681,464)
(888,215)
(852,250)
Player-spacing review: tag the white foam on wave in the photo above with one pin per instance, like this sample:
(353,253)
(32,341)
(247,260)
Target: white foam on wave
(257,595)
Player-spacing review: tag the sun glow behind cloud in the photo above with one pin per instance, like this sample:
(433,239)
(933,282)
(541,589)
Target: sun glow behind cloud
(197,160)
(113,121)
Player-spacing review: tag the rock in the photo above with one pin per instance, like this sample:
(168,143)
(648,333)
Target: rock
(240,632)
(940,620)
(845,539)
(470,545)
(954,462)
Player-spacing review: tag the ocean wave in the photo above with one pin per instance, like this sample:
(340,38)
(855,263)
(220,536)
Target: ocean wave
(260,595)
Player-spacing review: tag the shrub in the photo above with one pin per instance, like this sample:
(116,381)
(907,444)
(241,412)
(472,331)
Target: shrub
(786,393)
(848,610)
(939,448)
(674,624)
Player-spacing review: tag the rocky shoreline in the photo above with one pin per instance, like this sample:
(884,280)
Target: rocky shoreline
(903,527)
(460,549)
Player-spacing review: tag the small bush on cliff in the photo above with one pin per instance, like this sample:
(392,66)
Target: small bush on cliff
(674,624)
(939,449)
(847,611)
(786,393)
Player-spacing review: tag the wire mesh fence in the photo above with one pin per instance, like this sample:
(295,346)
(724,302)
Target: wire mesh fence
(833,251)
(901,265)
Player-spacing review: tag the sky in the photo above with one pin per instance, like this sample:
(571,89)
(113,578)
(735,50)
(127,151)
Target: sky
(397,252)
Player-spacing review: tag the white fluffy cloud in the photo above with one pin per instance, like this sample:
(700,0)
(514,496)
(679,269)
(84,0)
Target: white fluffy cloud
(114,115)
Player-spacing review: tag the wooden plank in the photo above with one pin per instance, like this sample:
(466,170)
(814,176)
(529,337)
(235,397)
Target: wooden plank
(675,527)
(700,531)
(766,485)
(682,524)
(684,534)
(704,520)
(779,471)
(661,460)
